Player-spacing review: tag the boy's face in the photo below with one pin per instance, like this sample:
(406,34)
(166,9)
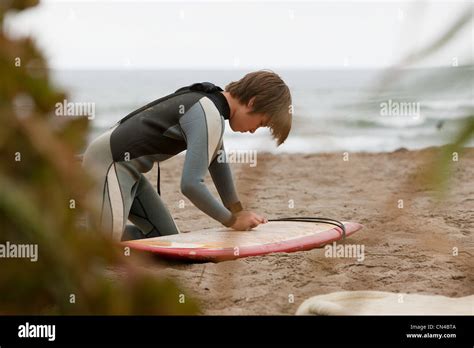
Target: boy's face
(243,121)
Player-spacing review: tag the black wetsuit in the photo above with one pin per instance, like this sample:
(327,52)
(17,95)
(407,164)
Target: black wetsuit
(190,119)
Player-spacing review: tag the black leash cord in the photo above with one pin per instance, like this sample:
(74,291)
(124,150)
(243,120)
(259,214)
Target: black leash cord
(316,220)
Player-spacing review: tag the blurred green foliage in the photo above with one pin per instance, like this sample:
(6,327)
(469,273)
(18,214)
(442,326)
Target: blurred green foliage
(439,172)
(436,174)
(39,176)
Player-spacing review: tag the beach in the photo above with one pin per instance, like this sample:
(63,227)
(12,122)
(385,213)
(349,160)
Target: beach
(367,204)
(413,242)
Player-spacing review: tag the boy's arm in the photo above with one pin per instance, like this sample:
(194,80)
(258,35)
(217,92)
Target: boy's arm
(202,127)
(222,178)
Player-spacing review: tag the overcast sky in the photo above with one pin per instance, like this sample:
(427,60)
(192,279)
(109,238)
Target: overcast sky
(242,34)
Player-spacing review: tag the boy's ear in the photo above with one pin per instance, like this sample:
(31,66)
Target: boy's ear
(250,103)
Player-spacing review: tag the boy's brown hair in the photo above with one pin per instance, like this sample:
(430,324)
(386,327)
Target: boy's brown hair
(272,98)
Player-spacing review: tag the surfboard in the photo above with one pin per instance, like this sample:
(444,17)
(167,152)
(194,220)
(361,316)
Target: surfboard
(220,244)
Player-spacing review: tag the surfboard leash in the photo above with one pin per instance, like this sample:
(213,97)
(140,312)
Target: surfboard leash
(316,220)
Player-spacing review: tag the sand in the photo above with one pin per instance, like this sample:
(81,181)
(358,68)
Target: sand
(425,247)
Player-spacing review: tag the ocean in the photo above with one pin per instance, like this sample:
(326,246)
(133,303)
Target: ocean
(334,110)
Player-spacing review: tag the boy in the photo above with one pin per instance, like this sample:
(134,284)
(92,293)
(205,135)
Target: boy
(190,119)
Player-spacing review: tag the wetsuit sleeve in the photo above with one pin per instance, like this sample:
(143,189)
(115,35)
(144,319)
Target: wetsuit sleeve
(202,128)
(222,178)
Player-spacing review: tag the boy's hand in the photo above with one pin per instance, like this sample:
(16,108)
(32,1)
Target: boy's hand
(246,220)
